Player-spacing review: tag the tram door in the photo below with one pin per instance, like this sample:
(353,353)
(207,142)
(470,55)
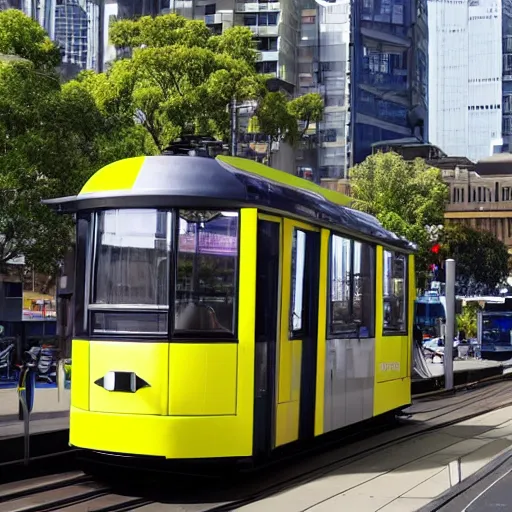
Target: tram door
(297,345)
(267,307)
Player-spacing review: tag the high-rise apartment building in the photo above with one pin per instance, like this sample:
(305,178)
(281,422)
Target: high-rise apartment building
(465,77)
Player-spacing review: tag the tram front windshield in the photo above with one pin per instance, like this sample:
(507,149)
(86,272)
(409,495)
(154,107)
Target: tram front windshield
(148,263)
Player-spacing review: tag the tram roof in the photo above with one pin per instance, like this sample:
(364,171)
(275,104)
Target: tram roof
(197,182)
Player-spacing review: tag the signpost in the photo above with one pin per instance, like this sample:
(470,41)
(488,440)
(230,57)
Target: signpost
(450,323)
(26,388)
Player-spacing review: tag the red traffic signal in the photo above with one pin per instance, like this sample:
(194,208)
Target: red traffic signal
(436,248)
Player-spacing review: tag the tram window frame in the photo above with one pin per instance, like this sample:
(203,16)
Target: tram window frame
(186,335)
(350,330)
(84,238)
(94,310)
(392,331)
(297,332)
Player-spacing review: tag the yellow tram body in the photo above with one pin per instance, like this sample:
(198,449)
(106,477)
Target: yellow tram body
(271,379)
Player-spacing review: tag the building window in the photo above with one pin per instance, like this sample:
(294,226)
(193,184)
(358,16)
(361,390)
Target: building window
(458,195)
(131,274)
(269,66)
(507,125)
(267,18)
(210,9)
(250,20)
(351,288)
(298,265)
(267,44)
(13,290)
(395,292)
(507,62)
(206,274)
(505,193)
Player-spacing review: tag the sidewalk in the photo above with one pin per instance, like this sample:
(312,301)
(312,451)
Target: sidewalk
(48,415)
(46,401)
(403,477)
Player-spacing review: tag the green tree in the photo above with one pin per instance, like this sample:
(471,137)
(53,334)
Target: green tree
(179,79)
(274,118)
(482,261)
(53,138)
(405,196)
(22,37)
(307,109)
(279,117)
(467,321)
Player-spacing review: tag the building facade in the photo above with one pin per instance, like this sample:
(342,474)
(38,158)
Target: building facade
(465,85)
(389,73)
(369,60)
(481,196)
(507,74)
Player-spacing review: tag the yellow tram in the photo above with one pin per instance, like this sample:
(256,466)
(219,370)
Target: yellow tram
(225,309)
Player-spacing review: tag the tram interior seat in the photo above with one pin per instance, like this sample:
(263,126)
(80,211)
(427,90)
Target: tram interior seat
(198,317)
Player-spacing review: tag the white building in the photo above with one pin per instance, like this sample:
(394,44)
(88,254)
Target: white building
(465,76)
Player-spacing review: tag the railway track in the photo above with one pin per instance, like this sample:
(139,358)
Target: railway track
(77,492)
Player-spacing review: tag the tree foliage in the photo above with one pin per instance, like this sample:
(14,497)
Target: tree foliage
(280,117)
(467,321)
(482,261)
(405,196)
(179,79)
(53,138)
(176,77)
(20,36)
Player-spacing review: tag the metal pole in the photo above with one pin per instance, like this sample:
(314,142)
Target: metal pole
(450,323)
(234,128)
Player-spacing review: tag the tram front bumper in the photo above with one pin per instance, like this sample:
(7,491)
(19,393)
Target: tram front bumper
(172,437)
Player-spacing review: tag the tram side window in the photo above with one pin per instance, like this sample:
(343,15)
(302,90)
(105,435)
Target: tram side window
(395,292)
(206,277)
(297,281)
(352,288)
(130,288)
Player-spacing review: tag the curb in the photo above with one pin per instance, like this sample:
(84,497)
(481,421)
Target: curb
(50,415)
(470,482)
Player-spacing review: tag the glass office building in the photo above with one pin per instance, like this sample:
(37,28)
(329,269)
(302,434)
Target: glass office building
(369,60)
(389,74)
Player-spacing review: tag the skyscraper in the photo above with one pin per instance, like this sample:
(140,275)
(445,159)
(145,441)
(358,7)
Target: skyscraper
(370,64)
(389,73)
(465,78)
(507,74)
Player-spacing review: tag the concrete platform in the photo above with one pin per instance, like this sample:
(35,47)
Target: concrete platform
(465,372)
(46,400)
(49,424)
(410,474)
(466,365)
